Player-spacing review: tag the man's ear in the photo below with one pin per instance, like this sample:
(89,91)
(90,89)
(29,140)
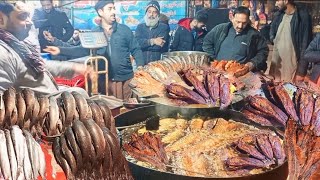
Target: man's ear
(100,12)
(3,19)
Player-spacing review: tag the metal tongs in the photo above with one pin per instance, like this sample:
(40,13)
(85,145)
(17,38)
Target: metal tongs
(151,123)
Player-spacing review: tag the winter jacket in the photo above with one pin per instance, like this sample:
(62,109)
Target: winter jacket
(143,35)
(184,40)
(257,49)
(122,44)
(301,32)
(56,22)
(312,55)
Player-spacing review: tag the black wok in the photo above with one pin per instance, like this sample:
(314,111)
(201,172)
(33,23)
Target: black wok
(140,114)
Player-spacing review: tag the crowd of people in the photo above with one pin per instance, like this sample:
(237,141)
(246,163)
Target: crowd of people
(22,66)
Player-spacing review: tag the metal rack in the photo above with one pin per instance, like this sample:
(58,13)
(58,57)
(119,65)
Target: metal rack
(94,41)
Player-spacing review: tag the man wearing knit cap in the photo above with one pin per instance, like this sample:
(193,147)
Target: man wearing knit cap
(121,44)
(152,35)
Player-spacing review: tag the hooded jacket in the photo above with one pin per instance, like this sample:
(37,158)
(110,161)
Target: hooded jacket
(184,39)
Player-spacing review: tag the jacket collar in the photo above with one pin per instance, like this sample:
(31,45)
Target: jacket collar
(114,27)
(244,31)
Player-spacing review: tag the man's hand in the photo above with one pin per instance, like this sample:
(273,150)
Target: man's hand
(48,36)
(53,50)
(250,65)
(84,70)
(159,41)
(240,72)
(298,79)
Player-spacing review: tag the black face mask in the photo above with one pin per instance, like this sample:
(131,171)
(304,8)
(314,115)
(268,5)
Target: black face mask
(198,29)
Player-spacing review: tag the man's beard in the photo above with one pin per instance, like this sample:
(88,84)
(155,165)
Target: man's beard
(151,22)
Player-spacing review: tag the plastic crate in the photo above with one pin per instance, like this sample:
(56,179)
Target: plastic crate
(77,81)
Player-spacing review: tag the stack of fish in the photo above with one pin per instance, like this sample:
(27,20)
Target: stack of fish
(300,116)
(160,70)
(302,147)
(230,66)
(21,156)
(49,114)
(147,148)
(87,151)
(214,90)
(257,151)
(278,107)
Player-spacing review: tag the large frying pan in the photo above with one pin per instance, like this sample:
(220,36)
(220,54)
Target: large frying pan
(140,114)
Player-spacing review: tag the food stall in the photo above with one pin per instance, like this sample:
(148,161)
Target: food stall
(196,118)
(200,130)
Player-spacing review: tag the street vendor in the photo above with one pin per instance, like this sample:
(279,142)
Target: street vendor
(237,40)
(21,66)
(121,44)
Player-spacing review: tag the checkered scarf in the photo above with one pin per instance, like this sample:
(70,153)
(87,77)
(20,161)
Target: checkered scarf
(26,51)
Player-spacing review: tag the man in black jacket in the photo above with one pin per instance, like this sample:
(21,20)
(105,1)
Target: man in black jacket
(237,40)
(153,36)
(312,55)
(52,20)
(291,32)
(190,33)
(121,44)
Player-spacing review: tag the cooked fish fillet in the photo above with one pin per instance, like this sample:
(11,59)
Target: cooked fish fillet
(209,124)
(223,126)
(187,141)
(200,164)
(196,124)
(166,125)
(173,136)
(182,124)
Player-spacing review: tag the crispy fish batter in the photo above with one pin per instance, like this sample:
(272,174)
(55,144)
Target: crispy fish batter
(186,141)
(196,124)
(173,136)
(223,126)
(182,124)
(195,164)
(209,124)
(166,124)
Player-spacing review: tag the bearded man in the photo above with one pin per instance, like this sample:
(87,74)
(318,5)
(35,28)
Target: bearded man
(21,65)
(153,36)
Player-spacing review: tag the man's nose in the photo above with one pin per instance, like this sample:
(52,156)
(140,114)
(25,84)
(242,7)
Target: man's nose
(29,21)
